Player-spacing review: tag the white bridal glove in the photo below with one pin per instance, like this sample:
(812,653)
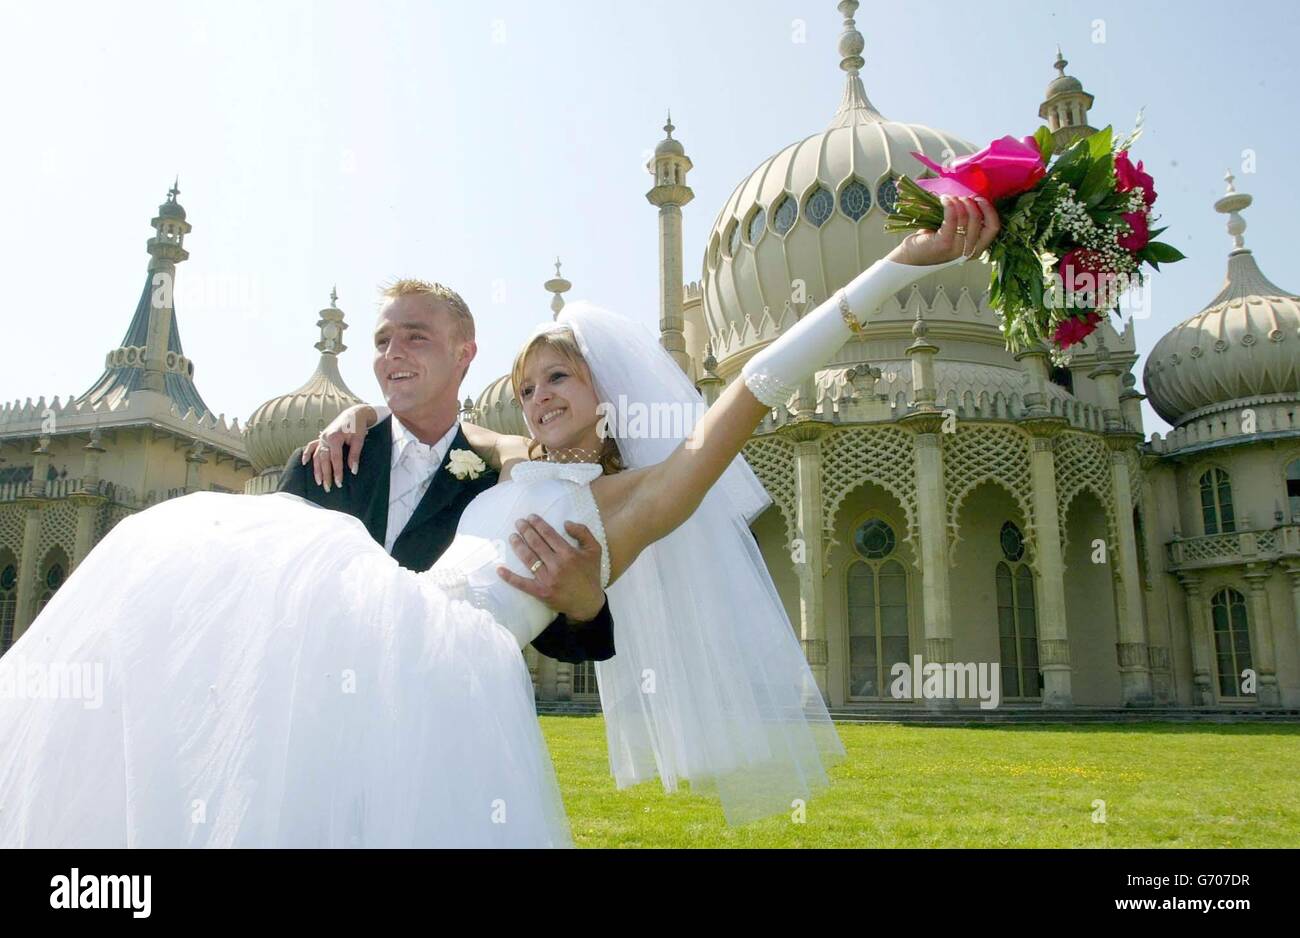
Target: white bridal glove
(774,374)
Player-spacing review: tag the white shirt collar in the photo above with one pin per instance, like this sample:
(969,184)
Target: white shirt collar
(434,453)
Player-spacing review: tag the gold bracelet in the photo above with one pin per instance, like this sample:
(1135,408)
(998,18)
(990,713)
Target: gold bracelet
(857,327)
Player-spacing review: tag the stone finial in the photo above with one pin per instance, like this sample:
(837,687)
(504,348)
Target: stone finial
(669,127)
(331,326)
(851,41)
(558,286)
(1231,203)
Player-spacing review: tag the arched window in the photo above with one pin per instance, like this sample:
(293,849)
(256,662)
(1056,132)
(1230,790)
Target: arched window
(1231,640)
(855,200)
(8,601)
(1216,502)
(51,579)
(877,611)
(787,210)
(1017,618)
(1293,489)
(820,206)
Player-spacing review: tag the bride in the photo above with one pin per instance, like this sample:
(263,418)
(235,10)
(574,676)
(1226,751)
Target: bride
(267,675)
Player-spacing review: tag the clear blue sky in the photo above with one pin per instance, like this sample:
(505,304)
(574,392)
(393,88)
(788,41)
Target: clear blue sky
(471,143)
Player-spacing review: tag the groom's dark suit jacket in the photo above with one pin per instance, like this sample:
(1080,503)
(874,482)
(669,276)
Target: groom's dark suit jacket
(432,527)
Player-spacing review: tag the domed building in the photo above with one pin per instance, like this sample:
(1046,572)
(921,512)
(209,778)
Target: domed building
(936,499)
(934,495)
(70,470)
(1222,489)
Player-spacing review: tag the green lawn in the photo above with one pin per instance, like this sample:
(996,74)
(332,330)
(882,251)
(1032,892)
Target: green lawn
(1164,785)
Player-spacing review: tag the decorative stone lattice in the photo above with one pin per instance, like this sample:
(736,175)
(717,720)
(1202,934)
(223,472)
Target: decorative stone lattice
(990,453)
(11,528)
(58,527)
(854,456)
(109,515)
(1083,462)
(772,459)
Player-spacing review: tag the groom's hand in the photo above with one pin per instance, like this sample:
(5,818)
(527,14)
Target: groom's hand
(568,579)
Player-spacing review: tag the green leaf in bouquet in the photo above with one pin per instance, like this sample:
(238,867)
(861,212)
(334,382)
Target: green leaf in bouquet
(1099,181)
(1101,143)
(1158,251)
(1158,232)
(1046,141)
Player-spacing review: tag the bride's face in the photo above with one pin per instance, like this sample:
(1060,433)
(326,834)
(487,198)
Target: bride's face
(559,402)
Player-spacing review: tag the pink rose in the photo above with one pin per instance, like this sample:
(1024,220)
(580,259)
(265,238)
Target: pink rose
(1129,177)
(1006,167)
(1074,329)
(1139,232)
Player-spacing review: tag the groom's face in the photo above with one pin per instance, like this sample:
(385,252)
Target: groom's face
(420,357)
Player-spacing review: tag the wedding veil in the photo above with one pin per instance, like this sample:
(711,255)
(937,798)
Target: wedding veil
(708,682)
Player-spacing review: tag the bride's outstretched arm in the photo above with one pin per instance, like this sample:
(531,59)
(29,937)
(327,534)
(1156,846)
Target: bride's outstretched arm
(649,503)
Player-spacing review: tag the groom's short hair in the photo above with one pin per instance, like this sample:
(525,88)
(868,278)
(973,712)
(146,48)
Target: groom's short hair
(462,319)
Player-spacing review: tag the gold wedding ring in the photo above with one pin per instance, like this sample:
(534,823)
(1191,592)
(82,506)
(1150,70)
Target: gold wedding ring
(536,564)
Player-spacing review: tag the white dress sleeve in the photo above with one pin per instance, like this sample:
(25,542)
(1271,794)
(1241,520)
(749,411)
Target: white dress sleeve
(774,374)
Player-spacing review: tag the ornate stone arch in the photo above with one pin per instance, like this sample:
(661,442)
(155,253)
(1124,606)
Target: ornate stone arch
(854,456)
(989,453)
(1083,463)
(772,459)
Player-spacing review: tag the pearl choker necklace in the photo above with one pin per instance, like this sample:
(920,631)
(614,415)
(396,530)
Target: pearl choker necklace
(573,455)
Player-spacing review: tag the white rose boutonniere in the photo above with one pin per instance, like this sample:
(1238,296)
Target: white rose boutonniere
(466,464)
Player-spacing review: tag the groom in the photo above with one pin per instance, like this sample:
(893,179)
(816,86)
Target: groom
(409,500)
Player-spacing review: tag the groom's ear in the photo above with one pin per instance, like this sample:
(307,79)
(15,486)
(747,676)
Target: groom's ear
(467,352)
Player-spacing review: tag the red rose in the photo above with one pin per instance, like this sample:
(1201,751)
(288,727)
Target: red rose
(1088,285)
(1129,178)
(1074,329)
(1139,232)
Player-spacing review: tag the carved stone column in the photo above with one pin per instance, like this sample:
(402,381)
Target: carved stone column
(1134,659)
(88,501)
(1203,671)
(1261,620)
(1053,637)
(931,499)
(806,436)
(1293,575)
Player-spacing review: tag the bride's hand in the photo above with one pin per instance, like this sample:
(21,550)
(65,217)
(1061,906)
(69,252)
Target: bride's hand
(348,427)
(975,214)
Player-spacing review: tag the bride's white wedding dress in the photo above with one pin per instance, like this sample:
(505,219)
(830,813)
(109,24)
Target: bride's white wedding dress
(270,676)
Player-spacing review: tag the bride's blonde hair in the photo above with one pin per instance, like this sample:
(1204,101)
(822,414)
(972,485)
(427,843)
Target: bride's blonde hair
(562,341)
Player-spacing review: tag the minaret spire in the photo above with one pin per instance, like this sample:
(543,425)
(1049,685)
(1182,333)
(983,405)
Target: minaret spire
(669,167)
(1066,106)
(855,107)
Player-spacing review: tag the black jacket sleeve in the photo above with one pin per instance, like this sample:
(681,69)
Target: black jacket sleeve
(295,476)
(578,642)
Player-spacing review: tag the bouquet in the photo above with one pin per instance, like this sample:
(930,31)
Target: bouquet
(1075,233)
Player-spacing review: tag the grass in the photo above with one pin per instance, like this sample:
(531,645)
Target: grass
(1164,785)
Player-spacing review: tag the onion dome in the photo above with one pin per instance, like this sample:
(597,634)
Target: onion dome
(668,146)
(1243,345)
(284,423)
(812,217)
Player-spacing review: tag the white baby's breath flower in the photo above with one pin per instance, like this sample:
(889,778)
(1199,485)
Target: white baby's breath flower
(465,464)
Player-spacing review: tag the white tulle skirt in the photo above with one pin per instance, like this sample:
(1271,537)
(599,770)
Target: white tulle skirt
(237,671)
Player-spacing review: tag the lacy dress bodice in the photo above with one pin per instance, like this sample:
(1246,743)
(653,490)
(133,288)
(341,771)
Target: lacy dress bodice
(467,570)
